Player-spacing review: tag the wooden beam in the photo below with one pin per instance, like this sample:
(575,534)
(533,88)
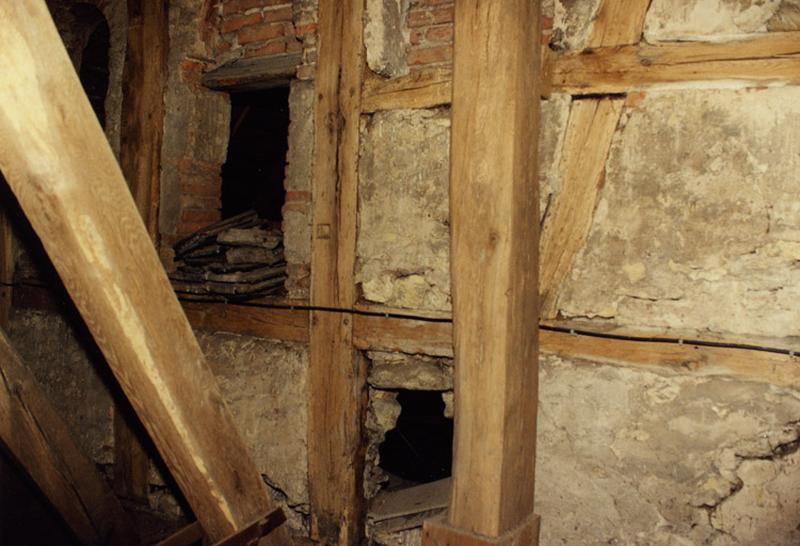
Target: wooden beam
(39,440)
(494,263)
(337,376)
(435,338)
(283,324)
(253,74)
(769,59)
(7,263)
(590,129)
(766,60)
(58,163)
(142,129)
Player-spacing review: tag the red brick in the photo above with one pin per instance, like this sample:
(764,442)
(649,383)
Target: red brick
(302,30)
(200,202)
(190,216)
(236,23)
(260,33)
(298,197)
(294,46)
(445,14)
(240,6)
(441,33)
(283,14)
(271,48)
(430,55)
(419,18)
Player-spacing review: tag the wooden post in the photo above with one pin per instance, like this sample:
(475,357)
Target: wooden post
(142,131)
(58,163)
(337,375)
(494,262)
(39,440)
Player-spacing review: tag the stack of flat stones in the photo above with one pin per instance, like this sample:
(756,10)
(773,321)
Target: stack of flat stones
(235,259)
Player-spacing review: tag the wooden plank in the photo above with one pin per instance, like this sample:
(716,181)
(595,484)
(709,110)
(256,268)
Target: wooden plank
(253,74)
(276,323)
(766,60)
(404,335)
(337,376)
(494,263)
(590,129)
(435,338)
(142,129)
(39,440)
(58,163)
(420,89)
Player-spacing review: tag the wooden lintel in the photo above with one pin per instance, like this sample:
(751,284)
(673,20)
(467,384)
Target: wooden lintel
(58,163)
(253,74)
(39,440)
(770,59)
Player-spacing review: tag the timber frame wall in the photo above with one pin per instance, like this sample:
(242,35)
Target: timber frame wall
(336,326)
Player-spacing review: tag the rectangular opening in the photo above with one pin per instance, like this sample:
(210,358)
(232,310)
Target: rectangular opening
(241,257)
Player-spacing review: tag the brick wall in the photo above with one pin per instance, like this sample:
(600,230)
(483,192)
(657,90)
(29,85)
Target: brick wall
(430,33)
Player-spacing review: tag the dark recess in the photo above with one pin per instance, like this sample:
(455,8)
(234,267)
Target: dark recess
(420,448)
(252,176)
(94,69)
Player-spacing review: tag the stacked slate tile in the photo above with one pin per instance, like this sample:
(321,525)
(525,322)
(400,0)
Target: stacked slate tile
(236,259)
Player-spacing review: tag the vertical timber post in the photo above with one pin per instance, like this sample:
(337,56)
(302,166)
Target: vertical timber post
(494,266)
(337,375)
(140,159)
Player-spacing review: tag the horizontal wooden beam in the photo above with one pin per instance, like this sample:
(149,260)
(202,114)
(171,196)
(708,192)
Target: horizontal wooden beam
(253,74)
(272,323)
(769,59)
(32,430)
(434,337)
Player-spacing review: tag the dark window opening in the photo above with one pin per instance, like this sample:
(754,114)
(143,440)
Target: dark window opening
(252,176)
(420,448)
(94,69)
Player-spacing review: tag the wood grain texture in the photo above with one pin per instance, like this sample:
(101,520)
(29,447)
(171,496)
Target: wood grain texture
(337,376)
(435,338)
(766,60)
(142,129)
(58,163)
(436,532)
(254,74)
(494,262)
(420,89)
(590,129)
(283,324)
(39,440)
